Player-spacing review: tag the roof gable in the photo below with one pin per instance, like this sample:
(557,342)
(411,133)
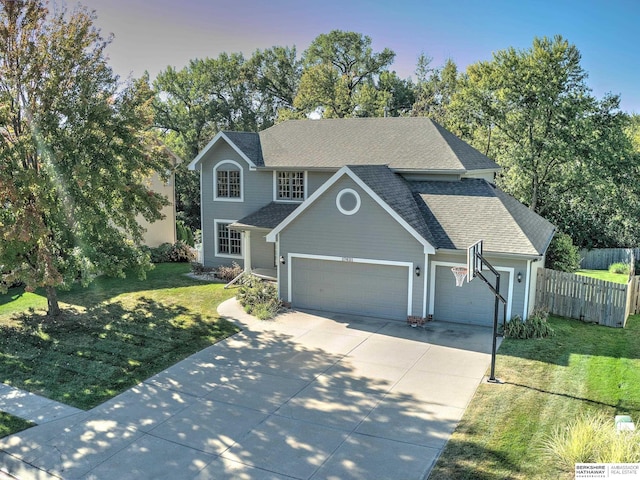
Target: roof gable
(246,144)
(406,215)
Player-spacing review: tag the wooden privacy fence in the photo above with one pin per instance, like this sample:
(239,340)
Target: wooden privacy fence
(588,299)
(602,258)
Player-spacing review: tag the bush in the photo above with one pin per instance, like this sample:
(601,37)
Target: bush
(536,326)
(164,253)
(259,298)
(184,233)
(591,438)
(228,272)
(562,254)
(199,269)
(620,267)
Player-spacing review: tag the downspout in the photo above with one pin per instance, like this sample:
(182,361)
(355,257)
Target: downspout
(527,284)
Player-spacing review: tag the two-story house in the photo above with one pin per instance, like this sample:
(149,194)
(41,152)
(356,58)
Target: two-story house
(367,216)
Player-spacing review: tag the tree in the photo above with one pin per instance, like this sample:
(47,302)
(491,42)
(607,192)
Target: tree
(338,65)
(563,152)
(75,153)
(225,93)
(434,89)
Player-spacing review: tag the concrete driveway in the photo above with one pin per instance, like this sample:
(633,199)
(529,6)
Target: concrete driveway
(307,396)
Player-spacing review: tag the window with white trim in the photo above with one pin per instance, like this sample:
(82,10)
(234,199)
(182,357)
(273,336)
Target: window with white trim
(228,181)
(229,241)
(290,186)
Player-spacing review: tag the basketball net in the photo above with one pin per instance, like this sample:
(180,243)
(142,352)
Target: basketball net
(461,275)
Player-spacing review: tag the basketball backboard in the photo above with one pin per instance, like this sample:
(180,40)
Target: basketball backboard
(474,263)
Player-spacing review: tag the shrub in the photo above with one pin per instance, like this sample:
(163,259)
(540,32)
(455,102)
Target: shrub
(184,233)
(536,326)
(258,297)
(228,272)
(563,255)
(591,438)
(166,252)
(620,267)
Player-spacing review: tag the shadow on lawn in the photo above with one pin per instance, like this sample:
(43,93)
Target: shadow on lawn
(84,358)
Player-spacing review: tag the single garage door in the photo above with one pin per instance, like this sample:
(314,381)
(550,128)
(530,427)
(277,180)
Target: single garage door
(472,303)
(350,287)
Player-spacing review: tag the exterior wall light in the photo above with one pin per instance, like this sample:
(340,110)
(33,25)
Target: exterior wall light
(519,277)
(281,259)
(418,271)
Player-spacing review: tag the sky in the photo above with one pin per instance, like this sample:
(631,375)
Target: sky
(150,35)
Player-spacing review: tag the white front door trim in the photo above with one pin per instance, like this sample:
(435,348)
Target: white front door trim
(432,284)
(370,261)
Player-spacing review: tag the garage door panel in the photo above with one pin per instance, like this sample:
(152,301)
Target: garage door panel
(350,287)
(472,303)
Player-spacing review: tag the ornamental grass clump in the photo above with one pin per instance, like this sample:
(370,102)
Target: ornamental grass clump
(259,298)
(622,268)
(536,326)
(591,438)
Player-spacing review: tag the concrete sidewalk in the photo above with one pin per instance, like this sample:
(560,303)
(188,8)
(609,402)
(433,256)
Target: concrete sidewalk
(307,396)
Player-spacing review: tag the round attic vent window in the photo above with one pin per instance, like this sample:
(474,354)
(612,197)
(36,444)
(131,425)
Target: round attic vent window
(348,201)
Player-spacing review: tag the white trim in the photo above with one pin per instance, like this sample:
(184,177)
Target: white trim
(194,163)
(275,186)
(424,293)
(216,198)
(432,288)
(216,221)
(355,209)
(527,283)
(408,265)
(428,248)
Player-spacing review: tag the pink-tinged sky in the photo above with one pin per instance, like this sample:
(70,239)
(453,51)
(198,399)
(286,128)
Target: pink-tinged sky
(151,34)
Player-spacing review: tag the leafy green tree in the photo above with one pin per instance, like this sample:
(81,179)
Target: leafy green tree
(564,152)
(337,66)
(562,254)
(434,89)
(225,93)
(75,153)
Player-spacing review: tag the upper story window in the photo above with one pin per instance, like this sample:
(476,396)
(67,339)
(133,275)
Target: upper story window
(228,181)
(290,186)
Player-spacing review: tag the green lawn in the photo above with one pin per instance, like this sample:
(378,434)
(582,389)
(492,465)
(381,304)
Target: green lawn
(112,335)
(10,424)
(605,275)
(546,383)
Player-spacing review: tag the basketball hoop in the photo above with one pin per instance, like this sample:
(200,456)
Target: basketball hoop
(461,274)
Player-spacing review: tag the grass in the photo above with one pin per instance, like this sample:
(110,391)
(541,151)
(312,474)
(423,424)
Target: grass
(547,383)
(605,275)
(10,424)
(112,335)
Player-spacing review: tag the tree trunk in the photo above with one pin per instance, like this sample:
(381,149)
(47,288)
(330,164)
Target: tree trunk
(53,308)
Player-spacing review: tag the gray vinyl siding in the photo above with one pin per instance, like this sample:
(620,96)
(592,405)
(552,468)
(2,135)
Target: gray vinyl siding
(371,233)
(316,180)
(262,252)
(257,191)
(456,298)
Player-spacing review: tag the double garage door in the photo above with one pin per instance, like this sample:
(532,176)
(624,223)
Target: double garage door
(350,287)
(472,303)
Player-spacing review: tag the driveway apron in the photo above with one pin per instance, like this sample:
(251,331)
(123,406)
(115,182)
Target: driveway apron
(308,395)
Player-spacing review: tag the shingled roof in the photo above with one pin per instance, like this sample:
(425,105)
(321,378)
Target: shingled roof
(402,143)
(463,212)
(268,216)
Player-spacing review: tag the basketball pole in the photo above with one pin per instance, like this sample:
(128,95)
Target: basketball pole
(498,299)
